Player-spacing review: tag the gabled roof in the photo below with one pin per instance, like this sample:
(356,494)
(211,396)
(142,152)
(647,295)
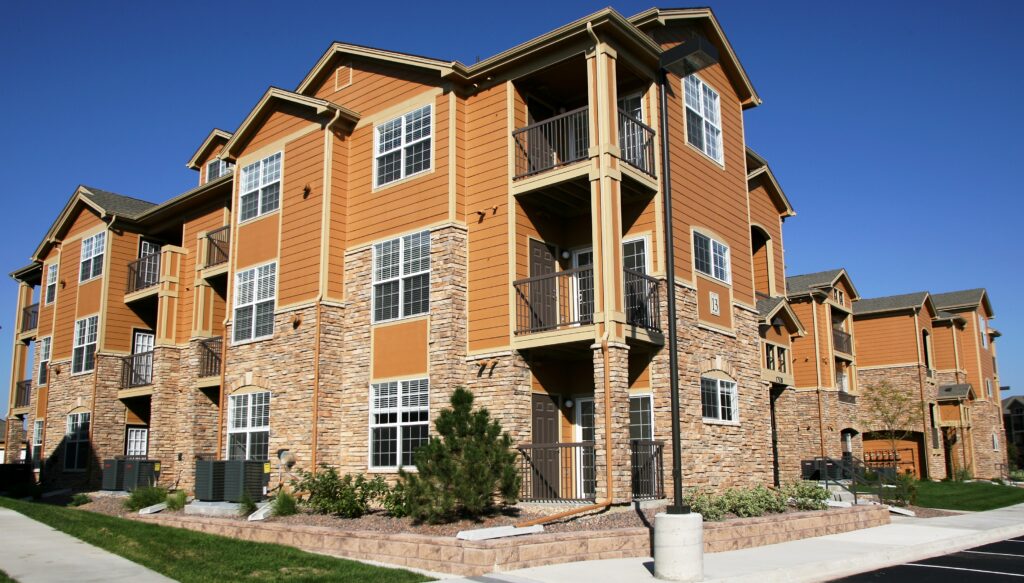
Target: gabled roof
(964,299)
(897,303)
(105,203)
(801,285)
(769,308)
(1011,401)
(340,49)
(758,171)
(954,392)
(270,99)
(214,137)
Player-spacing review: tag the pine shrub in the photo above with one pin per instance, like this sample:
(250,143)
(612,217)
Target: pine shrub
(348,496)
(145,497)
(285,504)
(177,500)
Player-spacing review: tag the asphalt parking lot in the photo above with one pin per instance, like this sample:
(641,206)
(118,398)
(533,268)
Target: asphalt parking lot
(1001,561)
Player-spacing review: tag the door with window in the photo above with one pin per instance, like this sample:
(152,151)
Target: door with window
(137,442)
(148,273)
(583,286)
(638,289)
(142,358)
(631,134)
(586,464)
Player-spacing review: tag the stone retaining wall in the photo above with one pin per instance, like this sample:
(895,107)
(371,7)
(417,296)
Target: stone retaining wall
(446,554)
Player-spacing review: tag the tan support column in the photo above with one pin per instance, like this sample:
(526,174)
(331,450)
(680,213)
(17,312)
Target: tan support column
(170,283)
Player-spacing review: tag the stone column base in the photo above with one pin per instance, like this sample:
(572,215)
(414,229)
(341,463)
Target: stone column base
(679,547)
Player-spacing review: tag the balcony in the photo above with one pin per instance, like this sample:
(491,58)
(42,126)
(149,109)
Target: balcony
(137,370)
(209,358)
(636,143)
(643,308)
(217,247)
(558,472)
(647,468)
(29,318)
(22,394)
(558,301)
(842,342)
(143,277)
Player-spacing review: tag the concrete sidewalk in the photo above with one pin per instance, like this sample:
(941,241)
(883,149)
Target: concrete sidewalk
(813,559)
(36,553)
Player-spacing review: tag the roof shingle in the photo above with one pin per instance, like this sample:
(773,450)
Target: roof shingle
(890,303)
(956,299)
(118,204)
(799,284)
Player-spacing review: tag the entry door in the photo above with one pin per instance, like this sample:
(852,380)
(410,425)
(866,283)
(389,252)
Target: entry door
(543,292)
(586,469)
(584,286)
(147,248)
(142,363)
(137,444)
(545,459)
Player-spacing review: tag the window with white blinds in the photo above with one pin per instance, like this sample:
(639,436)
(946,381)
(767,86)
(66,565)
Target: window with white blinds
(711,257)
(401,277)
(399,421)
(718,399)
(261,187)
(92,256)
(51,284)
(255,295)
(402,146)
(249,426)
(703,117)
(83,357)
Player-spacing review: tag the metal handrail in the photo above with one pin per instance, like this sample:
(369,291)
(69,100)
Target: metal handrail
(552,143)
(23,393)
(137,370)
(558,472)
(217,246)
(30,317)
(842,341)
(209,357)
(555,300)
(636,143)
(642,304)
(647,465)
(143,273)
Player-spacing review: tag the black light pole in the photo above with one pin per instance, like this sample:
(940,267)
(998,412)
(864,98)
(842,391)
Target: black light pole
(692,54)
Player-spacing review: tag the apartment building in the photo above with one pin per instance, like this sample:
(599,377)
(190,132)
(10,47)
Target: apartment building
(397,226)
(1013,420)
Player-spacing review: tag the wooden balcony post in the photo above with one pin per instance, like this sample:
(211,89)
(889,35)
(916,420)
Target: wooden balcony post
(170,284)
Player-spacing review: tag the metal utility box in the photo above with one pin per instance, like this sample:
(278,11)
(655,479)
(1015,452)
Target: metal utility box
(244,477)
(210,480)
(113,475)
(140,473)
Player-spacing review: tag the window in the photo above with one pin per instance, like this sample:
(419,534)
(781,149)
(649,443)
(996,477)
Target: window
(137,443)
(769,356)
(217,168)
(995,442)
(775,357)
(44,360)
(782,359)
(841,383)
(401,277)
(399,421)
(634,255)
(988,388)
(839,297)
(255,291)
(641,424)
(718,399)
(981,331)
(402,146)
(249,426)
(703,117)
(261,187)
(37,443)
(51,284)
(92,256)
(711,257)
(76,442)
(83,358)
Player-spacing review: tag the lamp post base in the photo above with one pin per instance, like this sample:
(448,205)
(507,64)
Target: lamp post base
(679,547)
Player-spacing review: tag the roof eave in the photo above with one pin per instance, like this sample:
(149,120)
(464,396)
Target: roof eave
(204,148)
(443,68)
(775,190)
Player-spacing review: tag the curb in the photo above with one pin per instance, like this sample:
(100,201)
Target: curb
(835,569)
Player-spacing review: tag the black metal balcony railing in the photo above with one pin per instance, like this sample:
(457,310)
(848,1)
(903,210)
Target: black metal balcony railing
(636,143)
(552,143)
(137,370)
(217,245)
(647,469)
(642,306)
(23,393)
(558,472)
(842,341)
(30,318)
(143,273)
(209,357)
(554,301)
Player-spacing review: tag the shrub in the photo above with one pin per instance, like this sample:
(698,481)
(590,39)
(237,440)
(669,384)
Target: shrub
(1017,475)
(962,475)
(177,500)
(285,504)
(396,501)
(756,501)
(79,499)
(807,495)
(707,504)
(144,497)
(246,505)
(327,493)
(904,492)
(465,468)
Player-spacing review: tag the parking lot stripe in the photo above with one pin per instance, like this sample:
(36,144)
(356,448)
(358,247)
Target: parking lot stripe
(963,569)
(995,554)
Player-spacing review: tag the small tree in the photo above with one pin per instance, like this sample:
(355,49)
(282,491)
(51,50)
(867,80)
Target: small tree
(890,412)
(465,468)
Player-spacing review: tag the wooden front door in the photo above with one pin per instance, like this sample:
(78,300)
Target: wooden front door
(545,459)
(544,292)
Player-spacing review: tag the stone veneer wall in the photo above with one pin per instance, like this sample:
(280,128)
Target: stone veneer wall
(987,420)
(908,379)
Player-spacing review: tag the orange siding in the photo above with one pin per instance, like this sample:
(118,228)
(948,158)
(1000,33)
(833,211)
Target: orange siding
(764,214)
(402,206)
(487,186)
(67,300)
(117,328)
(46,312)
(338,218)
(282,122)
(375,85)
(705,287)
(805,371)
(86,219)
(299,271)
(886,340)
(942,346)
(193,229)
(257,241)
(400,349)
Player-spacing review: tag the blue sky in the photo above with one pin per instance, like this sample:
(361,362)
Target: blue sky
(892,126)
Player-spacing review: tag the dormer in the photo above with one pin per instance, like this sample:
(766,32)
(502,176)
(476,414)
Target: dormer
(206,160)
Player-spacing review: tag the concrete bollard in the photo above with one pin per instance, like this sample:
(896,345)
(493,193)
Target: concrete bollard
(679,547)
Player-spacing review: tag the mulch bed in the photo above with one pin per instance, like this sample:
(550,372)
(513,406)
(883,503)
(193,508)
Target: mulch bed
(922,512)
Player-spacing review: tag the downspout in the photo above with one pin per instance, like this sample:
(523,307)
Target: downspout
(607,452)
(925,473)
(817,369)
(223,378)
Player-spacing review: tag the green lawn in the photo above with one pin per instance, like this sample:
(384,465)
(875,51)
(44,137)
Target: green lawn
(967,495)
(193,556)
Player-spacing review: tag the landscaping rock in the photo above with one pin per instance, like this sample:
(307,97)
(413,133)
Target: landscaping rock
(154,508)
